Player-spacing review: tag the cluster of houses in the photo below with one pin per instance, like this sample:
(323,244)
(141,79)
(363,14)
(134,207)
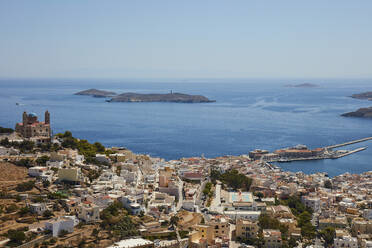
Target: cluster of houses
(162,189)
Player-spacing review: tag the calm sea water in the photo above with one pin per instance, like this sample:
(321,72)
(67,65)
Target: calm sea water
(248,114)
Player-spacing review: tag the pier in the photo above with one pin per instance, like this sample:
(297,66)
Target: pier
(330,156)
(302,153)
(351,152)
(349,143)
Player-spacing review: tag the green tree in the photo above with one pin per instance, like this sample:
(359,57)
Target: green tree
(55,147)
(95,232)
(12,208)
(259,194)
(24,211)
(25,186)
(45,147)
(41,161)
(124,228)
(46,183)
(113,209)
(328,234)
(207,188)
(67,134)
(16,236)
(215,175)
(99,147)
(6,130)
(26,146)
(292,242)
(304,222)
(93,174)
(295,204)
(5,142)
(328,184)
(69,143)
(48,214)
(57,195)
(174,220)
(118,170)
(266,222)
(116,220)
(24,163)
(232,179)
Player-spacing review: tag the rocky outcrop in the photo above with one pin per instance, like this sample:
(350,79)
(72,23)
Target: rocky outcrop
(364,96)
(96,93)
(361,113)
(170,97)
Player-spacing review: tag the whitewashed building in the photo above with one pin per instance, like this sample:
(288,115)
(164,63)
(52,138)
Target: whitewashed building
(89,213)
(312,202)
(38,208)
(36,171)
(346,241)
(243,215)
(57,225)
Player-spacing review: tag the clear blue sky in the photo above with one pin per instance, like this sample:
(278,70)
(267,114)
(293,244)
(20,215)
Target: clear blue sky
(186,39)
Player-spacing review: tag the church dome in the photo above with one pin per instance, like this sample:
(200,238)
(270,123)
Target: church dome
(32,115)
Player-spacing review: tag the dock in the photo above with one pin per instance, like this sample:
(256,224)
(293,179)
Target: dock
(334,156)
(349,143)
(351,152)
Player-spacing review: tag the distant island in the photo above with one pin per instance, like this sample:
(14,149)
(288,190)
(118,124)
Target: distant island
(136,97)
(170,97)
(96,93)
(361,113)
(304,85)
(364,96)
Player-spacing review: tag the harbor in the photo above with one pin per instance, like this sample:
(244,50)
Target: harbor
(329,155)
(302,153)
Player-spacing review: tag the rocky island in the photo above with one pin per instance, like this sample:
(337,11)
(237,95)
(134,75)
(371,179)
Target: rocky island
(361,113)
(304,85)
(96,93)
(363,96)
(170,97)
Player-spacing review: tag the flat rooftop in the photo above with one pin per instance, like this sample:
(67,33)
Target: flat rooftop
(127,243)
(245,197)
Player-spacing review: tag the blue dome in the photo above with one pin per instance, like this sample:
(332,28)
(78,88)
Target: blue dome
(32,115)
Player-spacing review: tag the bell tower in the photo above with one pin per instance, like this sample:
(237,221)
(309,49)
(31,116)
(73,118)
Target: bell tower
(47,117)
(24,118)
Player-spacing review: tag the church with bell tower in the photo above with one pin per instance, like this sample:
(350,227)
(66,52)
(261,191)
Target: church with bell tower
(31,128)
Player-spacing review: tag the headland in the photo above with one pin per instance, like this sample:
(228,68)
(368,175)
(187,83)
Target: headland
(361,113)
(363,96)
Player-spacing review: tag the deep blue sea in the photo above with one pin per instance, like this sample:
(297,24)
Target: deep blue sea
(248,114)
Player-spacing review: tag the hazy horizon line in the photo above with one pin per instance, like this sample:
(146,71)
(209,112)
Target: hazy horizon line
(184,79)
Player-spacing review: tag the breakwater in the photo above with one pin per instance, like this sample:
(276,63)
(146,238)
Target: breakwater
(349,143)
